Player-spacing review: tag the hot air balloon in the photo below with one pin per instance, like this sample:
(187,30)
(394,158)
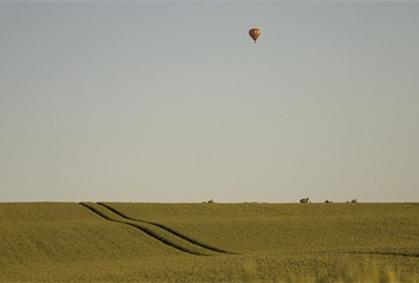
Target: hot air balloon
(254,33)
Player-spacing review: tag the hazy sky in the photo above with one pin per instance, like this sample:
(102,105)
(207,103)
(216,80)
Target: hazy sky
(173,102)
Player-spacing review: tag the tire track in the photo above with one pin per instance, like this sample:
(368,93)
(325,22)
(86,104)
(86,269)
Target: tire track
(401,254)
(143,229)
(170,230)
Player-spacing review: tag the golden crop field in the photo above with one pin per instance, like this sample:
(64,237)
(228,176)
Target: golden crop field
(209,242)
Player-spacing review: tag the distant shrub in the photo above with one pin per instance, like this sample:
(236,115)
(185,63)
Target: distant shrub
(210,201)
(328,201)
(304,200)
(354,201)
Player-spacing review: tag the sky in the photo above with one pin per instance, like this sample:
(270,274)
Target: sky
(173,102)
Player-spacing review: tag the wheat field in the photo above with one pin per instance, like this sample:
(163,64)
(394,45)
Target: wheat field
(209,242)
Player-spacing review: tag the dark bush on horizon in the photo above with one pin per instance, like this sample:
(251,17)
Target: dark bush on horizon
(304,200)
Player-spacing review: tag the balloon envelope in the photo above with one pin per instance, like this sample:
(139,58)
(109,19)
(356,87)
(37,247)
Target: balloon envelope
(254,33)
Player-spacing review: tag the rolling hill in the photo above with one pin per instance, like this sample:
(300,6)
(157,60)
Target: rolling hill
(137,242)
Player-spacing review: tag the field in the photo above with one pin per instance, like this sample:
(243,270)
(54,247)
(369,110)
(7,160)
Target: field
(208,242)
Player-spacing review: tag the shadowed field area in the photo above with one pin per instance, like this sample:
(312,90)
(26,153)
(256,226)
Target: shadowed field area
(134,242)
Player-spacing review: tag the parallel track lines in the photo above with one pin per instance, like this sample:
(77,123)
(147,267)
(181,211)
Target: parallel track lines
(170,230)
(140,225)
(145,230)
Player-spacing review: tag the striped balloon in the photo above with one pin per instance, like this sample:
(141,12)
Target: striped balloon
(254,33)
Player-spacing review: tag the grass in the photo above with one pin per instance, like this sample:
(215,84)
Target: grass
(111,242)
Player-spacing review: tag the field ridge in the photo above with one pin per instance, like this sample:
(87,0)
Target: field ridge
(318,242)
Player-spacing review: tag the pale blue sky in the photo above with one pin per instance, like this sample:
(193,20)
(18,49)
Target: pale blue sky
(173,102)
